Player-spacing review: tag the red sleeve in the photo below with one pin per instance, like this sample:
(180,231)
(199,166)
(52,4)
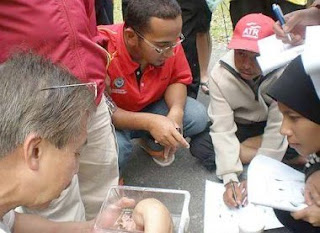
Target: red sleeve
(181,69)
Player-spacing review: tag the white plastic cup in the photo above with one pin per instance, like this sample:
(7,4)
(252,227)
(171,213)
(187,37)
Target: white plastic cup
(251,220)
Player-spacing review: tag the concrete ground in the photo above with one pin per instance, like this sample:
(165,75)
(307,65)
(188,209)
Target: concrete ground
(185,173)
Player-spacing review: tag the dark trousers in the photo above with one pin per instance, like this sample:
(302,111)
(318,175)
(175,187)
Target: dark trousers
(104,12)
(240,8)
(202,148)
(196,18)
(295,226)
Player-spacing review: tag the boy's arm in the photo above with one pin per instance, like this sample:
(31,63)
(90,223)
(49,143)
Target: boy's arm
(222,132)
(175,98)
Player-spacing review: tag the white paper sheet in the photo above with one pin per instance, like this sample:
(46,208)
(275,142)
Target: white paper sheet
(273,183)
(275,54)
(218,218)
(311,55)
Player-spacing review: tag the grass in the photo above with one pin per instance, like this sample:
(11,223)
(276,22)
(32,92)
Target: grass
(221,28)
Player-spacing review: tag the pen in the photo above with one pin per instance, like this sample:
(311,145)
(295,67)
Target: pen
(234,192)
(279,15)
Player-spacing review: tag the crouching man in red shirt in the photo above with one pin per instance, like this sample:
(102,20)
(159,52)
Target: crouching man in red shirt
(149,75)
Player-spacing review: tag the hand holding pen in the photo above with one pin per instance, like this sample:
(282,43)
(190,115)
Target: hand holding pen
(235,195)
(279,15)
(295,25)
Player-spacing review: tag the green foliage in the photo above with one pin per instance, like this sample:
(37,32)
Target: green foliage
(221,27)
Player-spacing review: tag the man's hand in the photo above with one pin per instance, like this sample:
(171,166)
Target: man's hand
(312,189)
(296,23)
(241,193)
(309,214)
(164,131)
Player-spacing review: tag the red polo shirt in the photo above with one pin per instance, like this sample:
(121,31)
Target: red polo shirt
(62,31)
(154,81)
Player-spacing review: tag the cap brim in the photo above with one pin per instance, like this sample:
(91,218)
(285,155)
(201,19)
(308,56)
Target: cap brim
(244,45)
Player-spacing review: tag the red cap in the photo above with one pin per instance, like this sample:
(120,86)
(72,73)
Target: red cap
(249,30)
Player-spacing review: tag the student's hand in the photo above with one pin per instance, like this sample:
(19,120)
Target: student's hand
(296,23)
(241,192)
(151,216)
(312,189)
(164,131)
(309,214)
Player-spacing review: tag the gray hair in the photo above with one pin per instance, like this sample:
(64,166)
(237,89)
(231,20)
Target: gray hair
(53,114)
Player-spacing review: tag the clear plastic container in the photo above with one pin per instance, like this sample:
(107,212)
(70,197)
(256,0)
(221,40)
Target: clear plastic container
(177,202)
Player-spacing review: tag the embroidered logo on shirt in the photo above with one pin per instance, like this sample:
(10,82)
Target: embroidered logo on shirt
(119,82)
(251,31)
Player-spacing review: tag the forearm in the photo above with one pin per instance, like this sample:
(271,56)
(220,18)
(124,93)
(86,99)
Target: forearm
(175,98)
(227,150)
(222,131)
(247,153)
(123,119)
(25,223)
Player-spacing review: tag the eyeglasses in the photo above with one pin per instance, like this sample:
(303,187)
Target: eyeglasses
(161,50)
(89,85)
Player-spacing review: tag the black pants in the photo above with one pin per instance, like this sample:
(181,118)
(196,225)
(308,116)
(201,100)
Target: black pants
(196,18)
(240,8)
(201,145)
(104,12)
(295,226)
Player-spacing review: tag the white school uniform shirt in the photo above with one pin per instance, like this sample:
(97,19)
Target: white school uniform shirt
(7,222)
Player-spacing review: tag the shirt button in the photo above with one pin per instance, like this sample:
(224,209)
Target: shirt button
(138,72)
(142,84)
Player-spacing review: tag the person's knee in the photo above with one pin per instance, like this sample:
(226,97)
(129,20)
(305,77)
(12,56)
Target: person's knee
(196,117)
(125,149)
(124,156)
(201,147)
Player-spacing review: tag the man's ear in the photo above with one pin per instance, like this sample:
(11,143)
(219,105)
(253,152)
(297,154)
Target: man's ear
(130,37)
(32,149)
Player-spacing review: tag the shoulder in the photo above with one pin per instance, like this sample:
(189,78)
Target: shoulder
(7,223)
(220,72)
(110,31)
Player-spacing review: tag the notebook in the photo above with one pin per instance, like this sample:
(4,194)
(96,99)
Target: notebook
(275,184)
(275,54)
